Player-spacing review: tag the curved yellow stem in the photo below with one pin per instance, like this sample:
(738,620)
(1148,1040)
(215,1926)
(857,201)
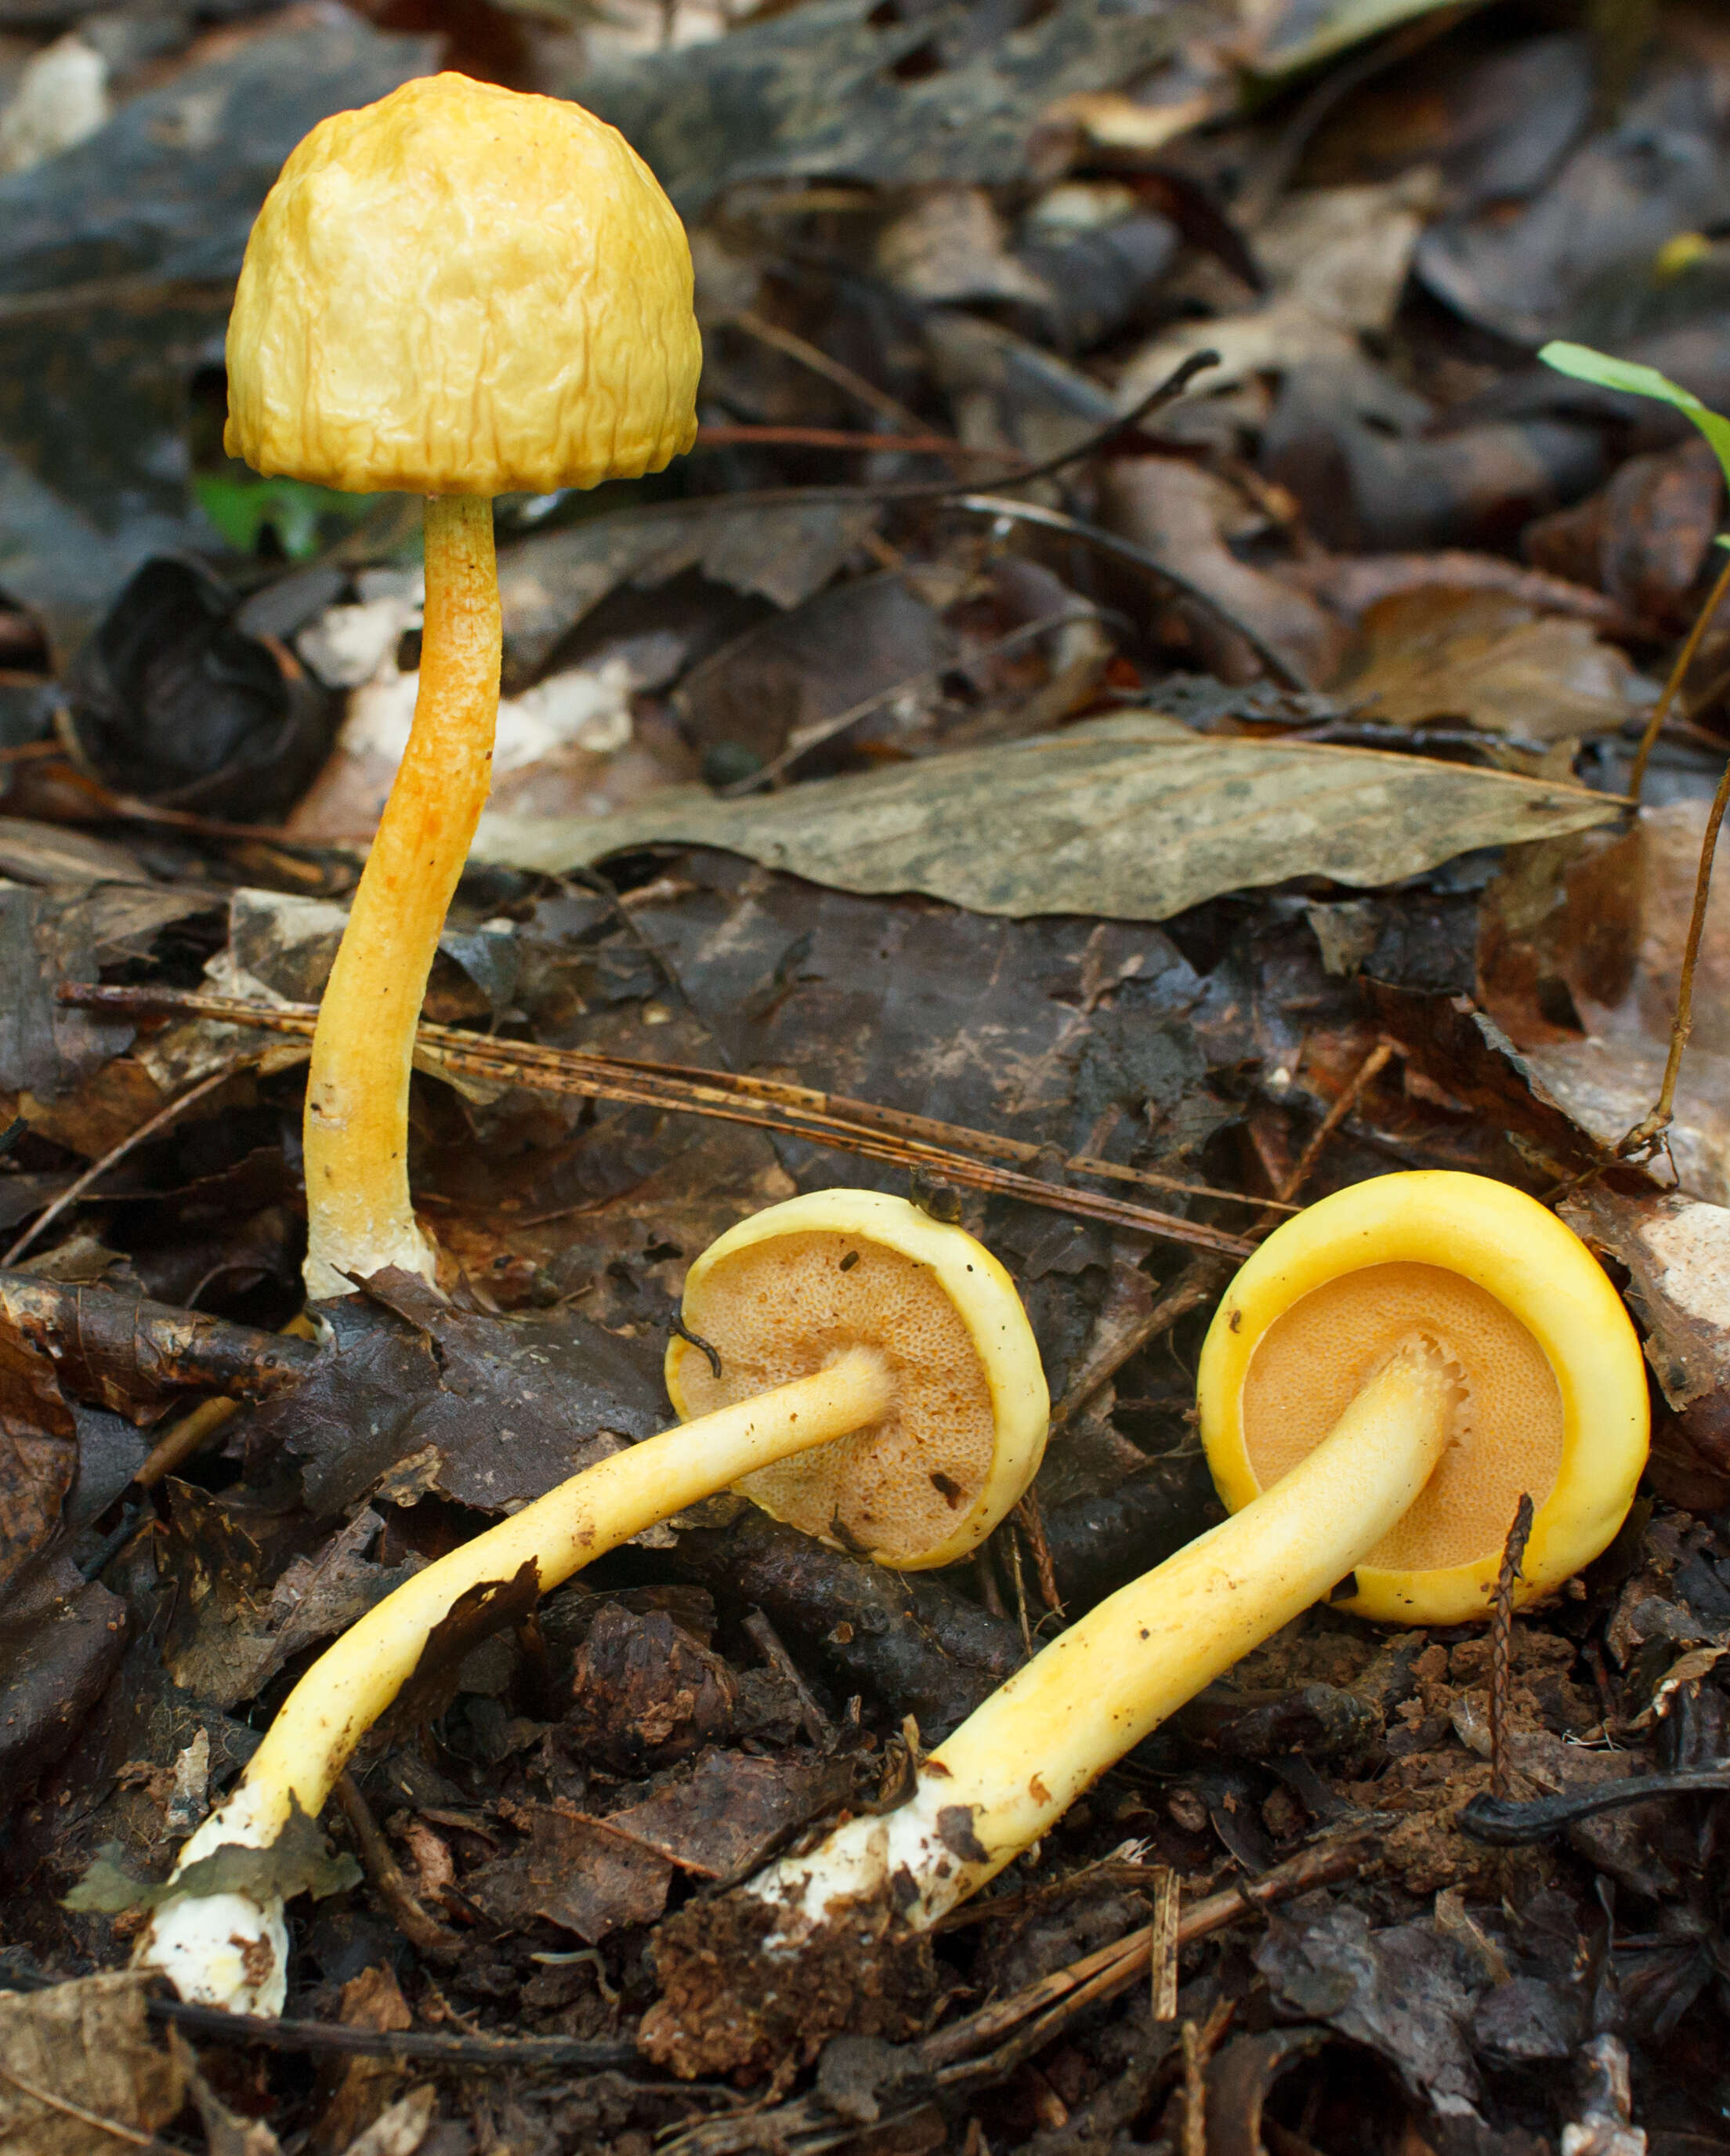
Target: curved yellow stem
(358,1218)
(325,1717)
(1016,1764)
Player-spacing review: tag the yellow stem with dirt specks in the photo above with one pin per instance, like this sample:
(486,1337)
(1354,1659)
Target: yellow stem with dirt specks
(358,1218)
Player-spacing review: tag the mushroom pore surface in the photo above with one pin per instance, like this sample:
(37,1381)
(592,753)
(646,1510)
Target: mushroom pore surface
(1508,1428)
(782,1308)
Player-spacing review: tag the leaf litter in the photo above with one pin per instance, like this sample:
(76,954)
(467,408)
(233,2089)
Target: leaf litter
(1230,814)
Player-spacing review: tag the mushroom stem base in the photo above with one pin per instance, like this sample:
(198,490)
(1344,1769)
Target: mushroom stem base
(1014,1767)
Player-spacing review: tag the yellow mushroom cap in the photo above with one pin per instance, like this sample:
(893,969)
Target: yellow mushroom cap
(791,1289)
(462,290)
(1554,1398)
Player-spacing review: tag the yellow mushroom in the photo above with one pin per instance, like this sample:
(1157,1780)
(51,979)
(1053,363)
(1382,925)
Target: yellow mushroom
(1383,1380)
(888,1352)
(457,292)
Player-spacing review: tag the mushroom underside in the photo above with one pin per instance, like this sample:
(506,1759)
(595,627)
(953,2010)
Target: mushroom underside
(1507,1425)
(782,1308)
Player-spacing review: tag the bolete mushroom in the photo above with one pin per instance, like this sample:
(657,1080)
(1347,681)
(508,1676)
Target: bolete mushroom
(458,292)
(1383,1380)
(886,1350)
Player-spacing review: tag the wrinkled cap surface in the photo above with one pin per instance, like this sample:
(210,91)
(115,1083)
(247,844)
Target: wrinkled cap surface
(462,290)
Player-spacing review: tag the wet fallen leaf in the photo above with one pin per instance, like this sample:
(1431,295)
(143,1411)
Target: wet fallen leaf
(840,86)
(1609,211)
(362,2091)
(61,1639)
(233,1632)
(1132,818)
(782,551)
(1397,1990)
(576,1873)
(1186,517)
(1335,258)
(508,1407)
(297,1862)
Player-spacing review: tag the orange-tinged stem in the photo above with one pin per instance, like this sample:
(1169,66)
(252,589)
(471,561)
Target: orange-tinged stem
(358,1218)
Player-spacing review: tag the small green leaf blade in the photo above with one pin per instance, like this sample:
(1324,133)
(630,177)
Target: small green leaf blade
(1632,379)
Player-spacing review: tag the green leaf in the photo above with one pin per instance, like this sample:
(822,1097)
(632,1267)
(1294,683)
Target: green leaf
(1633,380)
(242,509)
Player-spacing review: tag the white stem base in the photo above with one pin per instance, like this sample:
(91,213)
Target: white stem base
(227,1950)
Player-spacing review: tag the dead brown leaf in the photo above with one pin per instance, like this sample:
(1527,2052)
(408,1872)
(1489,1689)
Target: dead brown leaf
(1489,657)
(79,2062)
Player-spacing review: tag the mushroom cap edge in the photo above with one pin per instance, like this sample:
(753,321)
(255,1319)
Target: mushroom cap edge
(1538,1268)
(979,1288)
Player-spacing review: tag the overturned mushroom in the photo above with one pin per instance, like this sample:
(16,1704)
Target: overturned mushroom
(457,292)
(1383,1380)
(890,1350)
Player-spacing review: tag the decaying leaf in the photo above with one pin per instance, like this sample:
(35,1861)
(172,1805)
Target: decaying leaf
(784,551)
(87,2043)
(1133,818)
(514,1406)
(1677,1250)
(577,1874)
(61,1638)
(297,1862)
(834,87)
(231,1631)
(1398,1991)
(1488,659)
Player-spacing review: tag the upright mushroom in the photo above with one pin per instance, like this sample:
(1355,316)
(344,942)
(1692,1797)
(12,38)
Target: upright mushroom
(1383,1380)
(458,292)
(888,1352)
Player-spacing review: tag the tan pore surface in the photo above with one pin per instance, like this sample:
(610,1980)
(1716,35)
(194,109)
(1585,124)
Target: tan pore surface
(1507,1430)
(783,1308)
(462,290)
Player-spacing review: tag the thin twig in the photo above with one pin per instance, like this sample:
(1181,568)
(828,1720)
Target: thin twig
(423,1931)
(1162,1947)
(215,2025)
(988,2044)
(1011,1543)
(1031,1523)
(1282,669)
(1501,1640)
(815,360)
(1195,2093)
(1128,1957)
(1369,1070)
(894,1135)
(94,1174)
(1673,687)
(1652,1126)
(1200,1281)
(803,1100)
(184,1438)
(182,1441)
